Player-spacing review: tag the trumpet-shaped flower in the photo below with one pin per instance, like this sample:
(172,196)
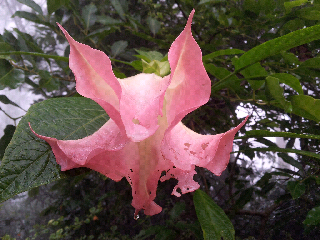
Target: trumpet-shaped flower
(144,136)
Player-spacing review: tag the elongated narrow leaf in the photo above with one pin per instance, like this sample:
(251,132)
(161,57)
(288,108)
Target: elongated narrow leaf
(214,222)
(285,150)
(118,47)
(154,25)
(32,4)
(4,99)
(276,92)
(222,53)
(118,7)
(277,45)
(289,80)
(89,15)
(55,57)
(266,133)
(306,106)
(54,5)
(28,161)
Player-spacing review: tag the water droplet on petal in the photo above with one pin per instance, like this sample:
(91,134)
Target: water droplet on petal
(136,216)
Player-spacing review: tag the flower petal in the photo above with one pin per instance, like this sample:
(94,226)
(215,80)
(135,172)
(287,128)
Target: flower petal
(190,85)
(186,148)
(94,77)
(76,153)
(141,103)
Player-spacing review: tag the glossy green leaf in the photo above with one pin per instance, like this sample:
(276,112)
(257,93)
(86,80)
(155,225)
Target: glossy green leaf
(154,25)
(289,80)
(32,4)
(276,91)
(277,45)
(214,222)
(28,161)
(89,15)
(313,217)
(222,53)
(118,47)
(296,188)
(306,106)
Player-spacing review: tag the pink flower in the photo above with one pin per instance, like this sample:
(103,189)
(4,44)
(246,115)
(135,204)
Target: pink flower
(144,136)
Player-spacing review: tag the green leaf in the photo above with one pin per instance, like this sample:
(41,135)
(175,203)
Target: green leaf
(118,7)
(276,92)
(32,4)
(28,161)
(149,55)
(266,133)
(289,80)
(244,197)
(154,25)
(296,189)
(214,222)
(310,13)
(284,150)
(118,47)
(47,81)
(255,70)
(291,4)
(9,76)
(177,210)
(54,5)
(6,138)
(89,15)
(55,57)
(232,82)
(277,45)
(4,99)
(32,17)
(306,106)
(107,20)
(290,160)
(313,217)
(222,53)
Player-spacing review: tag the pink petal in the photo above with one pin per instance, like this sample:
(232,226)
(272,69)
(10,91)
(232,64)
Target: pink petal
(186,148)
(190,84)
(141,104)
(94,77)
(76,153)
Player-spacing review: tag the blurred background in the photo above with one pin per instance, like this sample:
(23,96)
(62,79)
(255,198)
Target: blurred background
(267,193)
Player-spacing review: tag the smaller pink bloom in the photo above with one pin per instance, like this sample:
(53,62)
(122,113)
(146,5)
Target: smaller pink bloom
(145,136)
